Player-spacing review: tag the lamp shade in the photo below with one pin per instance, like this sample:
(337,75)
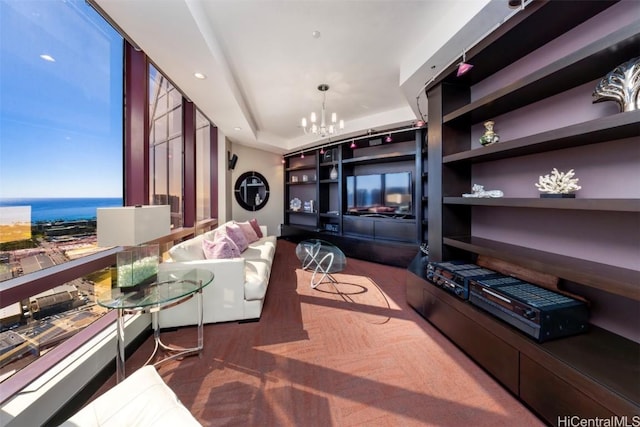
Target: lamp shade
(463,68)
(132,225)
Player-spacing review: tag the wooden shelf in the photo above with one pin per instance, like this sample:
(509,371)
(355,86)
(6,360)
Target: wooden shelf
(301,168)
(329,181)
(300,212)
(381,158)
(614,205)
(587,375)
(498,50)
(618,126)
(301,183)
(597,359)
(582,66)
(331,163)
(609,278)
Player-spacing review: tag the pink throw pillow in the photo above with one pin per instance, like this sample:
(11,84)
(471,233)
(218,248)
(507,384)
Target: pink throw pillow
(218,249)
(235,233)
(248,231)
(256,227)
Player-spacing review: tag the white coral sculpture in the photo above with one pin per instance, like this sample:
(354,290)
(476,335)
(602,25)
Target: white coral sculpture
(558,182)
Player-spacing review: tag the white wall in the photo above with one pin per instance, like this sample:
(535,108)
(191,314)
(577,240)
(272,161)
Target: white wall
(225,183)
(270,166)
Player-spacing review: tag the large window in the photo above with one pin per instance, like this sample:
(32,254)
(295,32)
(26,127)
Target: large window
(60,131)
(165,145)
(203,167)
(62,157)
(61,143)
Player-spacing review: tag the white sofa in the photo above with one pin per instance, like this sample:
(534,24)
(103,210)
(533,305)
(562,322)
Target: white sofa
(142,399)
(238,289)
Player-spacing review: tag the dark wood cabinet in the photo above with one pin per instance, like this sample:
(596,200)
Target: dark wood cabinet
(589,375)
(541,99)
(369,233)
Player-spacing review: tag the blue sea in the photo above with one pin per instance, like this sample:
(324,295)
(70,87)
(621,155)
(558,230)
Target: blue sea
(63,209)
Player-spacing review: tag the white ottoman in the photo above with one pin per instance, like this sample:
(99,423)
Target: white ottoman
(142,399)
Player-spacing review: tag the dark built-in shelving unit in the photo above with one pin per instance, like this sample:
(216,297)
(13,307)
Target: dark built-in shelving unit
(392,239)
(596,374)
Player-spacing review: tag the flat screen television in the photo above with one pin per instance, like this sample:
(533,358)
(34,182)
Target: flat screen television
(389,193)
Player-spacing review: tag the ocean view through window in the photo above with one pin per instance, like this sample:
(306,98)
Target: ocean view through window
(61,144)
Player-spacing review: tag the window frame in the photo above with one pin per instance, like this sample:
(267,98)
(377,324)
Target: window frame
(136,191)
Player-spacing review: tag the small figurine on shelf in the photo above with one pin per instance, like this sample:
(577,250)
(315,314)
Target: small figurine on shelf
(558,184)
(489,137)
(334,173)
(621,85)
(479,191)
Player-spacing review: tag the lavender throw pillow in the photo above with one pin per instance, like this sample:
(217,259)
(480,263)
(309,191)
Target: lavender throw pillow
(256,227)
(235,233)
(218,249)
(248,231)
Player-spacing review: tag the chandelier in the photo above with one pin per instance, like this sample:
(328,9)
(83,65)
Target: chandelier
(323,129)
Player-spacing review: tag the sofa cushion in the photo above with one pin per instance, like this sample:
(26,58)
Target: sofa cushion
(189,250)
(262,249)
(256,279)
(256,227)
(248,231)
(142,399)
(235,233)
(222,247)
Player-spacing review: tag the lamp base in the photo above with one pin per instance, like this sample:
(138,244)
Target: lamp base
(140,286)
(137,267)
(557,196)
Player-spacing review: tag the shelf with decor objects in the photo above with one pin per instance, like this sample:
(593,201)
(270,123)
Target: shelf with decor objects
(538,95)
(301,190)
(394,235)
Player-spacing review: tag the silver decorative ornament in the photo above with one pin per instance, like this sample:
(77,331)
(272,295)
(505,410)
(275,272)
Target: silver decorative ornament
(621,85)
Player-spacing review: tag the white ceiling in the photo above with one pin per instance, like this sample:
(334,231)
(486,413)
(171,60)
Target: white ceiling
(263,65)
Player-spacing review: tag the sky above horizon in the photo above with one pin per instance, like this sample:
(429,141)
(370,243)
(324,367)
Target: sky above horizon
(60,101)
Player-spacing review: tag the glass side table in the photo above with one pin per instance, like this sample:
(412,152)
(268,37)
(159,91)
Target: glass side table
(322,257)
(172,288)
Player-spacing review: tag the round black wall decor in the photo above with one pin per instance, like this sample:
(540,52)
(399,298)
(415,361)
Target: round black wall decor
(252,191)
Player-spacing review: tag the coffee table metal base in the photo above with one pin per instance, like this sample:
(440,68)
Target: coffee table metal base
(178,352)
(325,271)
(322,258)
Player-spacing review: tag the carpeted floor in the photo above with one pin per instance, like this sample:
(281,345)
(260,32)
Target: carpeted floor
(351,355)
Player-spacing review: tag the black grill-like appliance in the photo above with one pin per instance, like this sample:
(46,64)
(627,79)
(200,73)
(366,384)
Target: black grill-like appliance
(454,276)
(536,311)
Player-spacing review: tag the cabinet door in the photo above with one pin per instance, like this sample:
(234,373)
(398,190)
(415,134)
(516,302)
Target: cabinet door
(358,226)
(553,398)
(493,354)
(400,231)
(415,292)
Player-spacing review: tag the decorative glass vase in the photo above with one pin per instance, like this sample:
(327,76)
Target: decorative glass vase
(334,173)
(138,266)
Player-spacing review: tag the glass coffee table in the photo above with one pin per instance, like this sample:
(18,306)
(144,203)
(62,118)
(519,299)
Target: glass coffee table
(171,288)
(322,257)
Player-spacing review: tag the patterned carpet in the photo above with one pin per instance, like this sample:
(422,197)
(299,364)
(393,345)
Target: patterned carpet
(353,354)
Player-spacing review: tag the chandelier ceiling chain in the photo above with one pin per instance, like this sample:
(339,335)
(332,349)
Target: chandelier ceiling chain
(323,129)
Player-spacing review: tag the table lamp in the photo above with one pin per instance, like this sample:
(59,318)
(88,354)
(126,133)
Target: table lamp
(132,226)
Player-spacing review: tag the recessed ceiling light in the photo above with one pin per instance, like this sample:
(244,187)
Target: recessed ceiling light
(47,57)
(199,76)
(316,34)
(237,128)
